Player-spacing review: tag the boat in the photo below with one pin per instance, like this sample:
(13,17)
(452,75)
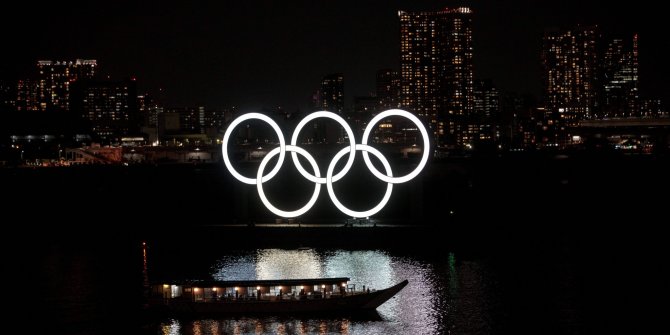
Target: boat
(319,295)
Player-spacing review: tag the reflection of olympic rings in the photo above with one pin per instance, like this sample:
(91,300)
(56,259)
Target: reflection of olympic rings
(330,177)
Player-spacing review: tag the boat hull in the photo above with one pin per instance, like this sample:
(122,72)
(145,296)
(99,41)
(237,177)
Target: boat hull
(333,304)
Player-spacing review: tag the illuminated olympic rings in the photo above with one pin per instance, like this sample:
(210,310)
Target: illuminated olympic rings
(330,176)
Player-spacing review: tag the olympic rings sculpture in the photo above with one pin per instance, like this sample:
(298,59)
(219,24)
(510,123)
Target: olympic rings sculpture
(330,176)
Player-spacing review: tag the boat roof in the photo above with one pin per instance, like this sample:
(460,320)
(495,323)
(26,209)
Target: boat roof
(270,282)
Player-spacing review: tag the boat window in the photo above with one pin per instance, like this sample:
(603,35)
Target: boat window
(274,290)
(197,294)
(176,291)
(209,293)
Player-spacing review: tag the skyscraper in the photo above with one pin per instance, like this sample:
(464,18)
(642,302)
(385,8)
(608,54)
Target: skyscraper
(329,97)
(55,78)
(388,89)
(436,70)
(148,109)
(7,96)
(570,74)
(332,93)
(486,110)
(27,95)
(109,107)
(620,79)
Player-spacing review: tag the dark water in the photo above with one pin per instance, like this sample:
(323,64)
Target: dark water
(94,287)
(540,246)
(417,309)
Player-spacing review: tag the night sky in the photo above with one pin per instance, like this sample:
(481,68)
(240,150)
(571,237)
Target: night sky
(257,53)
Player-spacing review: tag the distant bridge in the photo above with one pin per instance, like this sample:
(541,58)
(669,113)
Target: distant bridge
(626,123)
(656,129)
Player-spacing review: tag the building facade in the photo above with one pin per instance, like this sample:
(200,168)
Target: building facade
(569,59)
(108,107)
(482,123)
(27,95)
(388,89)
(437,71)
(55,79)
(620,90)
(332,93)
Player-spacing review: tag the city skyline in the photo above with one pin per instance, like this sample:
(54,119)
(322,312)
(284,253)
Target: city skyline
(508,175)
(262,54)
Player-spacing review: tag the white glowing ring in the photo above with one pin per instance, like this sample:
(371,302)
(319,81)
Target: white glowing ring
(226,137)
(331,192)
(424,134)
(261,193)
(329,179)
(352,145)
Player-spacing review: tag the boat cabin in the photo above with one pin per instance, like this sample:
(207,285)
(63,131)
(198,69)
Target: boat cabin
(246,290)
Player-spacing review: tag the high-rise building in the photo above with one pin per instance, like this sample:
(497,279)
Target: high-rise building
(55,78)
(7,96)
(214,119)
(148,109)
(487,109)
(653,107)
(332,93)
(191,119)
(518,120)
(109,107)
(27,95)
(330,98)
(315,100)
(570,65)
(388,89)
(436,70)
(366,104)
(620,96)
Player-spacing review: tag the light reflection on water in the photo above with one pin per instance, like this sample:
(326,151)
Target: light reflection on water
(260,326)
(419,308)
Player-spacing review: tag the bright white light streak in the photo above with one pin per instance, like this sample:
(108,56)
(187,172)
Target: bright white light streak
(424,135)
(226,137)
(331,192)
(261,193)
(330,178)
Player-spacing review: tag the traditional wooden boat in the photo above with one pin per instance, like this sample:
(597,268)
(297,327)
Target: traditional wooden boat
(321,295)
